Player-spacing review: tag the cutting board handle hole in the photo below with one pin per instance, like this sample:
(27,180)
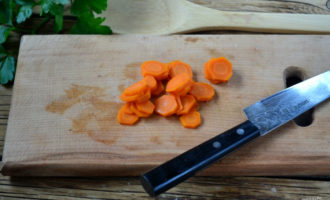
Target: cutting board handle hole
(292,76)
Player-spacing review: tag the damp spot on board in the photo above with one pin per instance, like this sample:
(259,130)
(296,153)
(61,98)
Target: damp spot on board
(121,88)
(132,70)
(95,119)
(72,96)
(214,52)
(155,139)
(192,39)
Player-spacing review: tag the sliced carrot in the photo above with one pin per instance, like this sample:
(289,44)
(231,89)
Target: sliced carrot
(136,98)
(136,111)
(144,97)
(160,88)
(185,90)
(191,119)
(123,116)
(188,103)
(151,82)
(128,98)
(218,70)
(137,88)
(177,67)
(146,107)
(166,105)
(202,91)
(180,106)
(178,83)
(155,68)
(127,108)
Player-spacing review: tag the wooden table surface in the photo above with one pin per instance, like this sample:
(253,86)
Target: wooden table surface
(305,188)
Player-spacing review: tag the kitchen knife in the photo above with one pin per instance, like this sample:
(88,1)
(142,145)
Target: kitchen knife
(263,117)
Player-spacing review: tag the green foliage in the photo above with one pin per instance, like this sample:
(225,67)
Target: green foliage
(6,11)
(7,69)
(15,12)
(81,6)
(4,33)
(24,12)
(88,24)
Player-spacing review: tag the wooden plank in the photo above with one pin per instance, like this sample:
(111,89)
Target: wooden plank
(194,188)
(47,143)
(301,6)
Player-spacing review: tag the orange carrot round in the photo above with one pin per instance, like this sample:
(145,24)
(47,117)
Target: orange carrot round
(142,97)
(137,88)
(177,67)
(151,82)
(127,108)
(155,68)
(160,88)
(202,91)
(123,116)
(191,119)
(218,70)
(180,106)
(178,83)
(166,105)
(146,107)
(188,103)
(136,111)
(128,98)
(185,90)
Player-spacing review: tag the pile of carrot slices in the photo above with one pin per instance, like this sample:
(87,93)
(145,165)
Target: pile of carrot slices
(175,91)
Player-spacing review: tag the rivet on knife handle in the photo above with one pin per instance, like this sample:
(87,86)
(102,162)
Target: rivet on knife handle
(178,169)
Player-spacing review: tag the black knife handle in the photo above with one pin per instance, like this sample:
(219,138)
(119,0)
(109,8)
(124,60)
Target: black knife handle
(182,167)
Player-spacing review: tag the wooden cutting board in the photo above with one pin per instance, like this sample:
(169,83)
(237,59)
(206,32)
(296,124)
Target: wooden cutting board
(63,113)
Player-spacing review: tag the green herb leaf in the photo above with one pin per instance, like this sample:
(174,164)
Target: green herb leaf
(24,13)
(7,69)
(6,11)
(3,52)
(57,11)
(4,32)
(47,4)
(87,24)
(82,6)
(25,2)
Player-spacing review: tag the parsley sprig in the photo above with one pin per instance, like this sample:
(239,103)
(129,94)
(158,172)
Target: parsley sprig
(13,13)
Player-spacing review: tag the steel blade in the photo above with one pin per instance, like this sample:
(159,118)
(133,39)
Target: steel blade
(278,109)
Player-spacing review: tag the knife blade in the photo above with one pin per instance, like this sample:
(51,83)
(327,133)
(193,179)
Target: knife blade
(263,117)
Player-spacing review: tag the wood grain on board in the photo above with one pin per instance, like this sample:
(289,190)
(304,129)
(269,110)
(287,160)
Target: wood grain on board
(63,113)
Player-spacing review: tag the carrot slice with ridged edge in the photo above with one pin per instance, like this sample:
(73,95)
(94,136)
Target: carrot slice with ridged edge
(136,111)
(127,108)
(180,106)
(124,116)
(155,68)
(191,119)
(218,70)
(160,88)
(178,83)
(137,88)
(146,107)
(188,103)
(151,82)
(166,105)
(185,90)
(136,98)
(177,67)
(202,91)
(128,98)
